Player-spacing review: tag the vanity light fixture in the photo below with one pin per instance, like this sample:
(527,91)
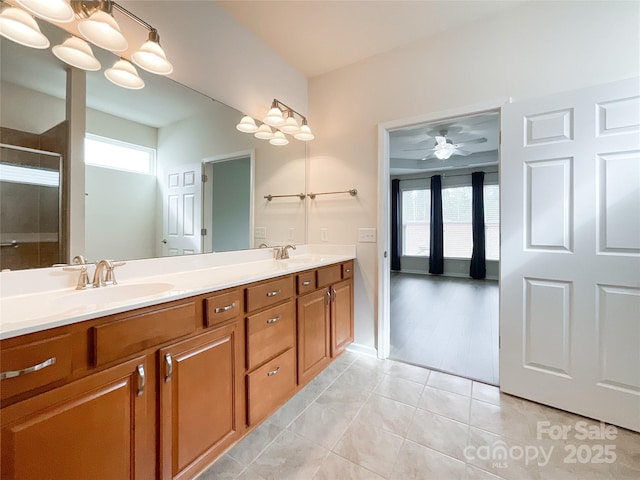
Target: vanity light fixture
(20,27)
(50,10)
(77,53)
(96,23)
(124,75)
(276,118)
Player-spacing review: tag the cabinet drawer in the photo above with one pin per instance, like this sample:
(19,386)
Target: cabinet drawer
(222,307)
(270,385)
(269,293)
(306,282)
(136,333)
(347,269)
(269,333)
(328,275)
(34,365)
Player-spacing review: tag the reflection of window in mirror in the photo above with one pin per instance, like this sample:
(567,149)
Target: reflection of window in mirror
(121,199)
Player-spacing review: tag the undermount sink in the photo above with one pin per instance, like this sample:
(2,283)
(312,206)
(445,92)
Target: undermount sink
(112,294)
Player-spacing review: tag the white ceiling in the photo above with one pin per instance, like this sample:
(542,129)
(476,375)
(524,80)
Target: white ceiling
(317,37)
(409,146)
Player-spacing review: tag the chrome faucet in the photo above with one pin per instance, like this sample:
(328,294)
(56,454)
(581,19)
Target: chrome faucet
(284,253)
(105,274)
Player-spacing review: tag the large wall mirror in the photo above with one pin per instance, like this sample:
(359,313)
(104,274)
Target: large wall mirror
(165,170)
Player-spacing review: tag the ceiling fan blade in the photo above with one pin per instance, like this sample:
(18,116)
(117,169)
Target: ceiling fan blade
(472,142)
(464,153)
(423,149)
(441,140)
(431,155)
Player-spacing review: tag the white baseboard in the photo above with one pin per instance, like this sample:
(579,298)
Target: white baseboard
(364,349)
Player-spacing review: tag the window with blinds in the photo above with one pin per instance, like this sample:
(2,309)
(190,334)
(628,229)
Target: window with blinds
(456,212)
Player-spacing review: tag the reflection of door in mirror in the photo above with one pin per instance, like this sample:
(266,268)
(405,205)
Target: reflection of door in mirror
(181,188)
(30,198)
(227,202)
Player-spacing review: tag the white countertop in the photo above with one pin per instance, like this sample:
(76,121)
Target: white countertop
(35,311)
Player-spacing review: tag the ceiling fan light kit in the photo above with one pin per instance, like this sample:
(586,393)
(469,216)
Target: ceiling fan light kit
(96,23)
(283,119)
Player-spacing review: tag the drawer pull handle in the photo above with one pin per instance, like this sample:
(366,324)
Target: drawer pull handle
(169,362)
(274,319)
(273,294)
(328,297)
(273,372)
(224,309)
(17,373)
(333,294)
(142,379)
(306,283)
(348,270)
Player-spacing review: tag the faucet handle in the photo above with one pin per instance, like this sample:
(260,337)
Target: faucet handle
(83,280)
(110,274)
(277,252)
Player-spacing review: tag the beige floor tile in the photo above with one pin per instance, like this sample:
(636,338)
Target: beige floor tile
(289,457)
(450,383)
(399,389)
(439,433)
(250,447)
(290,410)
(249,474)
(486,393)
(370,447)
(225,468)
(321,423)
(349,398)
(335,467)
(362,376)
(474,473)
(387,414)
(409,372)
(416,462)
(517,419)
(366,360)
(445,403)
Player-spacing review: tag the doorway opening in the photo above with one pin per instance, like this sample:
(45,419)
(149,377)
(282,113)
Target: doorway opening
(444,231)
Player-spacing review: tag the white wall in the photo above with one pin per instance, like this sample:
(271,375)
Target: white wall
(30,111)
(533,50)
(117,128)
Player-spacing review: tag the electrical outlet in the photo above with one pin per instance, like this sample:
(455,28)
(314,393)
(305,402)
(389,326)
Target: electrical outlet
(324,234)
(260,232)
(291,232)
(367,235)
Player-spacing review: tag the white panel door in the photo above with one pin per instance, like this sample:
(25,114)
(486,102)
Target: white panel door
(182,210)
(570,262)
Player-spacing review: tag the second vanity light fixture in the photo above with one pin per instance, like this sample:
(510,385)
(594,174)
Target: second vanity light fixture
(276,118)
(97,25)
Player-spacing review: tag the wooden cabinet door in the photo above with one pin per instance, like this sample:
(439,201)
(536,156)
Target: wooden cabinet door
(341,316)
(95,427)
(200,400)
(313,334)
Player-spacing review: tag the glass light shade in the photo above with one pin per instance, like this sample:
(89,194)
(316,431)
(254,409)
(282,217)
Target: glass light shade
(264,132)
(290,126)
(274,117)
(247,125)
(77,53)
(51,10)
(444,151)
(152,58)
(102,30)
(20,27)
(124,75)
(304,134)
(279,139)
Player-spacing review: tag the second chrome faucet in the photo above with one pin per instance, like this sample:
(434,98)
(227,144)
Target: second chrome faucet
(104,274)
(282,253)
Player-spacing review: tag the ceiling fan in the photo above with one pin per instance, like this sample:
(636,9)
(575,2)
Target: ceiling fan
(444,147)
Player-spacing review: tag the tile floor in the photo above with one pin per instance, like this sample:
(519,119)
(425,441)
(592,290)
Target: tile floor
(364,418)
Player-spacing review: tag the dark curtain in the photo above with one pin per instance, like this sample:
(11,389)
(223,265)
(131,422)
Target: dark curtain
(478,257)
(436,255)
(396,225)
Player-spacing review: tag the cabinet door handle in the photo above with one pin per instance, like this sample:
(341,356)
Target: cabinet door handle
(224,309)
(142,379)
(17,373)
(273,372)
(273,294)
(333,294)
(274,319)
(169,363)
(348,270)
(328,297)
(306,283)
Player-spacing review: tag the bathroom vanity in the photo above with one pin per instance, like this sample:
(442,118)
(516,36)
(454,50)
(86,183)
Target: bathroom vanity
(160,386)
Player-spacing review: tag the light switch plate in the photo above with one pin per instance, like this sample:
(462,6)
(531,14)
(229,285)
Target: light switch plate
(367,235)
(324,235)
(291,233)
(260,232)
